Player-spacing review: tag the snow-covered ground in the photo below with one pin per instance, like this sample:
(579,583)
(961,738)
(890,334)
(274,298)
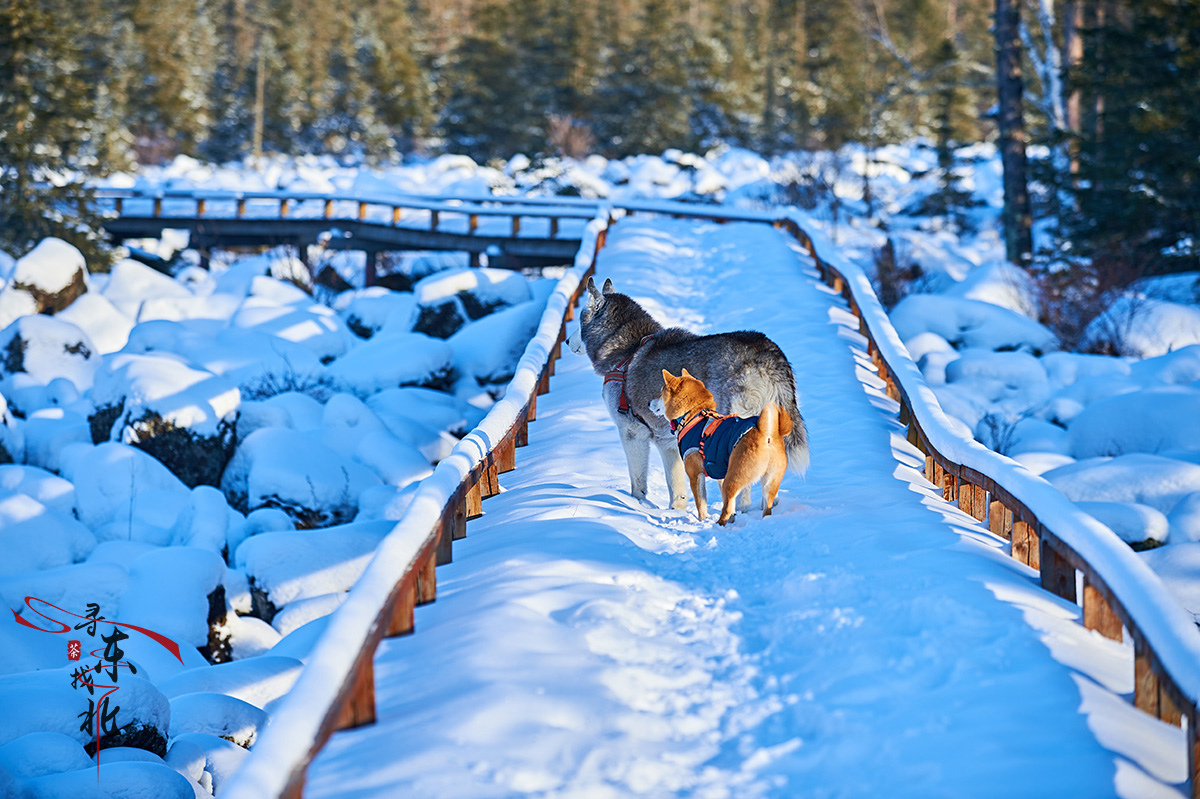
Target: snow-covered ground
(169,436)
(865,639)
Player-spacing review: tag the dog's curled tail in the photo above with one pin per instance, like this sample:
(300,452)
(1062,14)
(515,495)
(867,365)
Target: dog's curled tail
(774,422)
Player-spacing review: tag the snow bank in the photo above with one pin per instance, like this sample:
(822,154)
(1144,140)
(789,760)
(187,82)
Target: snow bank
(1154,420)
(295,472)
(290,566)
(257,681)
(1134,523)
(131,283)
(390,360)
(370,310)
(970,323)
(1146,479)
(1143,327)
(226,717)
(318,328)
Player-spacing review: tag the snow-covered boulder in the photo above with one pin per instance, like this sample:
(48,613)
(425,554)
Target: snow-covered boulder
(263,520)
(1065,368)
(49,489)
(118,483)
(228,717)
(221,758)
(177,591)
(182,416)
(1142,327)
(391,360)
(107,327)
(53,273)
(45,348)
(1179,367)
(447,300)
(353,430)
(1144,479)
(291,409)
(1140,526)
(259,364)
(1153,420)
(47,432)
(999,283)
(131,283)
(1031,434)
(130,779)
(286,567)
(436,409)
(12,435)
(318,328)
(44,701)
(293,471)
(369,310)
(34,537)
(258,681)
(488,350)
(970,323)
(36,754)
(1184,519)
(300,612)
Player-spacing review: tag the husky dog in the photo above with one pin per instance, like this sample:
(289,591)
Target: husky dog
(743,370)
(733,450)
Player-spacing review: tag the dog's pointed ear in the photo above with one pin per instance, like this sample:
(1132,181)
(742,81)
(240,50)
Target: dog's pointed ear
(594,295)
(684,373)
(608,286)
(668,378)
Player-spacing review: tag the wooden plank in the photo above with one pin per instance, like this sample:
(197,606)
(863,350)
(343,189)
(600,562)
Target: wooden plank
(972,499)
(1000,519)
(362,211)
(531,414)
(516,226)
(522,439)
(199,207)
(1145,681)
(427,576)
(949,486)
(489,478)
(1168,710)
(1098,614)
(1193,753)
(930,468)
(454,527)
(1023,541)
(400,609)
(506,454)
(328,209)
(397,215)
(474,501)
(358,709)
(472,223)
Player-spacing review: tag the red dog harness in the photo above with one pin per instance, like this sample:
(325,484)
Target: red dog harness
(617,375)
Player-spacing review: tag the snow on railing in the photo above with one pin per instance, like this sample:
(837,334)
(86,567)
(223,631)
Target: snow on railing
(336,688)
(1048,532)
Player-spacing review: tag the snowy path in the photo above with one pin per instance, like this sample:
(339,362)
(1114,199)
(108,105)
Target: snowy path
(866,640)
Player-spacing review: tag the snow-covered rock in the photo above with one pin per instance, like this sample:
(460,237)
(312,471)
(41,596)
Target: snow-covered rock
(221,758)
(1140,526)
(34,537)
(318,328)
(1184,519)
(182,416)
(44,701)
(36,754)
(1065,368)
(1153,420)
(488,350)
(291,409)
(293,471)
(1144,479)
(106,326)
(131,283)
(47,432)
(999,283)
(228,717)
(45,348)
(970,323)
(481,290)
(297,613)
(51,490)
(290,566)
(1142,327)
(257,680)
(369,310)
(118,483)
(391,360)
(435,409)
(53,273)
(170,591)
(353,430)
(127,780)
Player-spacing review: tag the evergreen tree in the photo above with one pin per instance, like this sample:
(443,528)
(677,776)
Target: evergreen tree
(47,103)
(1138,188)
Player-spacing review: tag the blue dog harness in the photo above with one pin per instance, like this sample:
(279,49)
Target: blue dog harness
(715,439)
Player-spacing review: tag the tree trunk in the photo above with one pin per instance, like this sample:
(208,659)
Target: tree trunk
(1017,218)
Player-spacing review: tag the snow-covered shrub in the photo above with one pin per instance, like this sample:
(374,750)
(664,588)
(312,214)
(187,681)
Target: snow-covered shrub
(41,349)
(228,717)
(488,350)
(1142,327)
(1140,526)
(373,309)
(182,416)
(970,323)
(392,360)
(1144,479)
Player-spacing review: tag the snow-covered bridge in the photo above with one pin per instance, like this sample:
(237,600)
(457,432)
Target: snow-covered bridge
(868,638)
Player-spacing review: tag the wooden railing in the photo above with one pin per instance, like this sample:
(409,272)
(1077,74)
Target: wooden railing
(218,205)
(336,688)
(1046,530)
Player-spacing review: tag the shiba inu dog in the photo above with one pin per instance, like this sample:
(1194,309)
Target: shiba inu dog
(744,371)
(735,451)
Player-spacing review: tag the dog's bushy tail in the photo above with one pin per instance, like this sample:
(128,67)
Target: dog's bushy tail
(795,438)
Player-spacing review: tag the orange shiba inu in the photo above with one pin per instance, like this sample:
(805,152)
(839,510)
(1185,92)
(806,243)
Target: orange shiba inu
(733,450)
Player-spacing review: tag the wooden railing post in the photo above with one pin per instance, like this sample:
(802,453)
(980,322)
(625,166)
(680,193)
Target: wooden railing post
(283,207)
(241,207)
(472,224)
(362,211)
(1098,614)
(120,204)
(554,227)
(157,207)
(328,209)
(516,226)
(473,502)
(199,207)
(1057,574)
(427,576)
(359,709)
(433,220)
(1000,520)
(396,214)
(400,614)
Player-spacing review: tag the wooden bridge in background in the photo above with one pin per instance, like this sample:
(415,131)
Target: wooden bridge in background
(513,232)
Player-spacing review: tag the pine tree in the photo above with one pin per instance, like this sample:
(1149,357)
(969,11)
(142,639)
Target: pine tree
(47,104)
(1138,188)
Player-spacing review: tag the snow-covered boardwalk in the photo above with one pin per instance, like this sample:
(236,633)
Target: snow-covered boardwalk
(867,639)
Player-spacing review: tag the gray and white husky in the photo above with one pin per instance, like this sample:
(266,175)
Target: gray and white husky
(744,371)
